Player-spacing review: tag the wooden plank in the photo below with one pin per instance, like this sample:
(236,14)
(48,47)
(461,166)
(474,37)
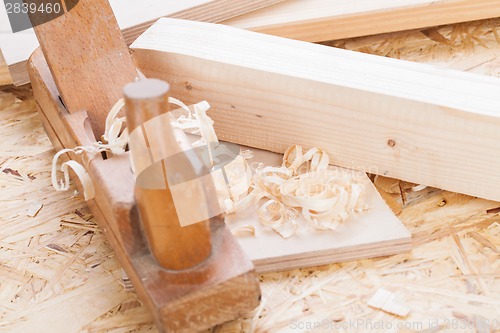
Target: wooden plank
(375,232)
(133,17)
(5,78)
(322,20)
(409,121)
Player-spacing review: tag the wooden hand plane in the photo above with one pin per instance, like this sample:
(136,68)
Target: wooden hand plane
(77,75)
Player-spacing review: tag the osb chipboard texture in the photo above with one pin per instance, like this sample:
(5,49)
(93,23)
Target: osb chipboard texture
(58,273)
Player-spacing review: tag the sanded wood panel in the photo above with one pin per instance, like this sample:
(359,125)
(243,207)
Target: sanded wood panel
(414,122)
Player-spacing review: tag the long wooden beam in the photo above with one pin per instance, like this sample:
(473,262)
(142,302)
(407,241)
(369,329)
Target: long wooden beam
(134,17)
(322,20)
(404,120)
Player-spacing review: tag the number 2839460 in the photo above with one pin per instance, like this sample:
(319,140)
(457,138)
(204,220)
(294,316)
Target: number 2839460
(33,8)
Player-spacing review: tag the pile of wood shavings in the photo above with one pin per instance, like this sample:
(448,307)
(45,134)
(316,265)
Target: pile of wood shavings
(303,185)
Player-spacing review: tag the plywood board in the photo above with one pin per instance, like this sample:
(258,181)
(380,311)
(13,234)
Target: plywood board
(374,233)
(134,17)
(322,20)
(414,122)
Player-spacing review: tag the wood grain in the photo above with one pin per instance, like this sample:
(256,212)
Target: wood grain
(404,120)
(322,20)
(88,59)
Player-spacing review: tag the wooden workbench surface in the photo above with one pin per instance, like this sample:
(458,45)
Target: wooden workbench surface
(58,273)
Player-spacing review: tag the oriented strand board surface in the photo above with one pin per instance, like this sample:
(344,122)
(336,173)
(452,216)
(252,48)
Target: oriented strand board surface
(48,258)
(320,20)
(450,278)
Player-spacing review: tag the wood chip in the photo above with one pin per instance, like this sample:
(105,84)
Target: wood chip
(388,302)
(34,209)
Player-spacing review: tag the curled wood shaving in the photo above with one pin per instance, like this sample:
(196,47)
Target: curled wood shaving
(233,185)
(244,230)
(198,121)
(304,184)
(81,173)
(114,140)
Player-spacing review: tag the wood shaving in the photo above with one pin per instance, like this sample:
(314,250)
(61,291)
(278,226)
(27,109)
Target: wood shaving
(244,231)
(388,302)
(198,122)
(114,140)
(232,185)
(304,185)
(80,171)
(34,209)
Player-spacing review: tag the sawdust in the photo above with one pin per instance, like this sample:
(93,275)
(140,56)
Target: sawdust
(58,273)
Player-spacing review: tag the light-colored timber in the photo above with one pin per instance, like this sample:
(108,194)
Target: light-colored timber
(409,121)
(62,246)
(322,20)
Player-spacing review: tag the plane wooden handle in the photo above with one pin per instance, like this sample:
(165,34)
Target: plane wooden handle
(173,246)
